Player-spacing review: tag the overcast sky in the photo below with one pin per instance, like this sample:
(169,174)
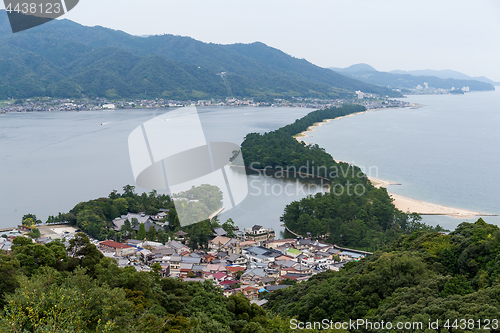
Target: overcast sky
(387,34)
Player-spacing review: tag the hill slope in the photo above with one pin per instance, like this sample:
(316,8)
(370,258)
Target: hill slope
(446,74)
(423,276)
(76,60)
(393,80)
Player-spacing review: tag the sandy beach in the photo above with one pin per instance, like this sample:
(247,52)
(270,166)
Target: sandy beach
(312,128)
(404,204)
(409,205)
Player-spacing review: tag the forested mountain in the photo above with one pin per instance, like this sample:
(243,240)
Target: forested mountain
(409,80)
(65,59)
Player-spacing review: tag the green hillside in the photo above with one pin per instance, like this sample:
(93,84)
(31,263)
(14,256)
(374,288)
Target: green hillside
(423,276)
(65,59)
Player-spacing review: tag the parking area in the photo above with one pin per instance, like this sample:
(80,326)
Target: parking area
(56,231)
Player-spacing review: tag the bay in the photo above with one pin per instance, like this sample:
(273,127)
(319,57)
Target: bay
(445,152)
(50,161)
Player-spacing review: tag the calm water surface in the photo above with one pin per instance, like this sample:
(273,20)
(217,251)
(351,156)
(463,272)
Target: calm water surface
(50,161)
(446,152)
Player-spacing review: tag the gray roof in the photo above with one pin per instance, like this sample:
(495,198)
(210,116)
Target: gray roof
(141,218)
(304,241)
(254,272)
(296,275)
(220,232)
(280,262)
(339,264)
(175,258)
(277,287)
(234,257)
(333,251)
(44,240)
(301,267)
(175,244)
(267,280)
(191,260)
(186,265)
(221,262)
(148,225)
(199,267)
(352,254)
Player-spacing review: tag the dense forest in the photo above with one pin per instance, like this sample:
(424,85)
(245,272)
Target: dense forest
(354,213)
(65,59)
(422,277)
(95,217)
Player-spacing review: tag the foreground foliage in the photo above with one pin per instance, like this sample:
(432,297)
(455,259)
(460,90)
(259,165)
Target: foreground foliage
(420,277)
(85,292)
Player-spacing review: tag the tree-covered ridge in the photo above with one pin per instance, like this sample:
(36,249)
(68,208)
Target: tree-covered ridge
(354,213)
(65,59)
(278,149)
(420,277)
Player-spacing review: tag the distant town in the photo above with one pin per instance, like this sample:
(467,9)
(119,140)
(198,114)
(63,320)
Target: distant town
(370,101)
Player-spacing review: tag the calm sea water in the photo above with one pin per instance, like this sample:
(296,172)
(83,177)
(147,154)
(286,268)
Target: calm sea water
(50,161)
(446,152)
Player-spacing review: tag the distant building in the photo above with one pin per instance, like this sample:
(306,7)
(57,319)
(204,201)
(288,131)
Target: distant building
(360,94)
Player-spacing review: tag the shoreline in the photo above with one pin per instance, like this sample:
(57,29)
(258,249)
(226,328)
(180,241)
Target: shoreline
(311,128)
(409,205)
(405,204)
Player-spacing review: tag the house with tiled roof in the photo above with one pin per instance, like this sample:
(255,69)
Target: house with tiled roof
(120,248)
(219,232)
(253,275)
(250,292)
(232,270)
(185,268)
(273,244)
(218,242)
(220,276)
(120,221)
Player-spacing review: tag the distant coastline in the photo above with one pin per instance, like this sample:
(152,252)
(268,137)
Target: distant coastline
(405,204)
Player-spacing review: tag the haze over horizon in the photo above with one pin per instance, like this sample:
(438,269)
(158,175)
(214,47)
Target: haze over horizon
(387,34)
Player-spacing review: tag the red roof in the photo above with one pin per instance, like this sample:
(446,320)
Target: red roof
(227,282)
(250,288)
(115,245)
(234,269)
(219,275)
